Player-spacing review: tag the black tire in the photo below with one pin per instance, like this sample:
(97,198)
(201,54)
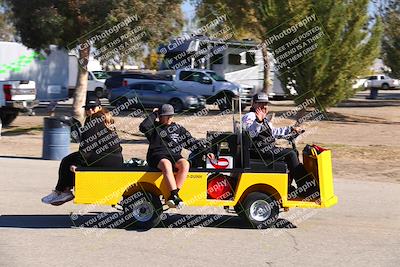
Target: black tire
(385,86)
(142,210)
(98,92)
(259,210)
(177,104)
(225,105)
(7,117)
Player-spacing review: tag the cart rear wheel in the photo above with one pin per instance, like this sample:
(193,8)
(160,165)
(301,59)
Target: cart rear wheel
(142,210)
(260,210)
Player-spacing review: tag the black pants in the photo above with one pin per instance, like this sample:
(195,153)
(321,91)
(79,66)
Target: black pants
(289,156)
(66,178)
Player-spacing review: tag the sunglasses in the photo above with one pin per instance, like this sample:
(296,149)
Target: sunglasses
(89,108)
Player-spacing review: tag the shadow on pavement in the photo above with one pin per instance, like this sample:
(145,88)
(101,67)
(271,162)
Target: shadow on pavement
(88,221)
(20,157)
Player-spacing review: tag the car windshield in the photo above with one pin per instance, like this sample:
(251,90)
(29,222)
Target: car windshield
(101,75)
(215,76)
(166,87)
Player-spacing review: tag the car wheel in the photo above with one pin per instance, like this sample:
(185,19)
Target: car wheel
(259,210)
(98,92)
(177,104)
(142,210)
(385,86)
(224,105)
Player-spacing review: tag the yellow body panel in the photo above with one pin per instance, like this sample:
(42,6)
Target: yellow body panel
(321,168)
(107,187)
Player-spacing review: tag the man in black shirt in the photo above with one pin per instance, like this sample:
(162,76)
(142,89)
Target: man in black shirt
(167,139)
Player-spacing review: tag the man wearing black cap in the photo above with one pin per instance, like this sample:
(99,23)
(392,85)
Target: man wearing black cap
(167,139)
(264,135)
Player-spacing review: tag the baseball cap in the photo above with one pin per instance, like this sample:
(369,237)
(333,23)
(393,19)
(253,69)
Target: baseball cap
(92,101)
(260,98)
(167,110)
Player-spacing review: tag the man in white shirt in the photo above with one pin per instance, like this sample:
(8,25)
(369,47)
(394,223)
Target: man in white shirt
(263,136)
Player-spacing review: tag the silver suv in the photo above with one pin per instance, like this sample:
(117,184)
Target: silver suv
(154,94)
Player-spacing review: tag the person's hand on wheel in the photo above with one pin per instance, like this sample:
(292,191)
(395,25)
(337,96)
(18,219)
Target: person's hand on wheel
(298,130)
(260,114)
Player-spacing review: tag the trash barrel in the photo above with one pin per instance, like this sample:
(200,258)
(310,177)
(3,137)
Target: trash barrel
(373,94)
(56,138)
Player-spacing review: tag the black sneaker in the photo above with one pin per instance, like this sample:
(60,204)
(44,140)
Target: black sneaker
(174,201)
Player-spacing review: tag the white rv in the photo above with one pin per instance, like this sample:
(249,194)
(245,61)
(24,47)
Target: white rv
(237,61)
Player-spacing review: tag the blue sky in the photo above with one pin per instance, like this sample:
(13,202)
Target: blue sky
(188,9)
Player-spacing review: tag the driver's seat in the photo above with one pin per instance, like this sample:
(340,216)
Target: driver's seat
(253,159)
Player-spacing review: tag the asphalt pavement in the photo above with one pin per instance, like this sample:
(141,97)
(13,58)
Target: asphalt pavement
(363,229)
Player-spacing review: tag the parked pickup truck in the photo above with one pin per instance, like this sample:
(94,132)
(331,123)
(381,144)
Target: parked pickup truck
(15,97)
(381,81)
(200,82)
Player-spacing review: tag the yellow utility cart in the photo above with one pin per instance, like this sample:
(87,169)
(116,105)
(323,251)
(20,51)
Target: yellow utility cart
(257,190)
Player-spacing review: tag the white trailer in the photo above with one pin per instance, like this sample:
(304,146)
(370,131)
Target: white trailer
(27,77)
(96,76)
(48,70)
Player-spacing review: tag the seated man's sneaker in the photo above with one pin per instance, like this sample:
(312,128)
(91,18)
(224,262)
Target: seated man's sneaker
(57,198)
(174,201)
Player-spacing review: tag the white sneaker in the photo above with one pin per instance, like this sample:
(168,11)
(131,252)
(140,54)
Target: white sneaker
(57,198)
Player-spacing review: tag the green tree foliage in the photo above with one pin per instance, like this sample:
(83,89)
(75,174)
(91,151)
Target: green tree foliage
(68,23)
(7,30)
(391,38)
(350,43)
(159,20)
(242,17)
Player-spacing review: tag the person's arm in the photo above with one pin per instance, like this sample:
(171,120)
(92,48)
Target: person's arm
(88,138)
(147,126)
(251,124)
(280,131)
(193,144)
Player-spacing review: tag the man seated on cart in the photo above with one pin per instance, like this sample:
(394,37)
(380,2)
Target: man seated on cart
(263,136)
(167,139)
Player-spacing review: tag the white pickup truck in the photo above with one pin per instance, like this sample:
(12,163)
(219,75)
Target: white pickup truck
(15,97)
(382,82)
(207,83)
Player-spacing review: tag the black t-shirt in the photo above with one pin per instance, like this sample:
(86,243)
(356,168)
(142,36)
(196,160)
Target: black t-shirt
(168,139)
(97,141)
